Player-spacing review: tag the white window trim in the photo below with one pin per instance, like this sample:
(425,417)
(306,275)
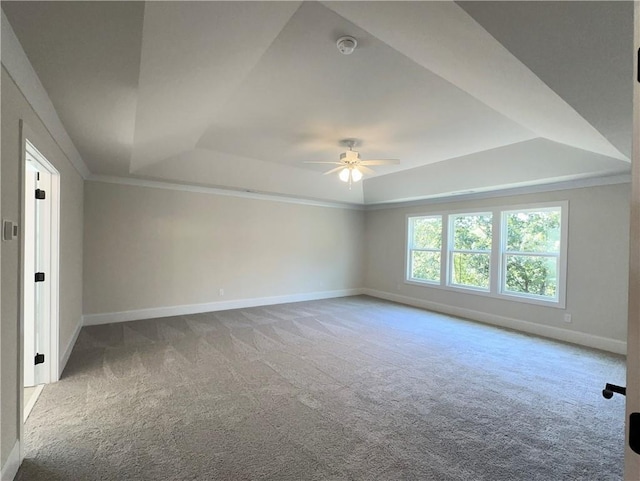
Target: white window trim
(410,249)
(496,254)
(561,297)
(452,250)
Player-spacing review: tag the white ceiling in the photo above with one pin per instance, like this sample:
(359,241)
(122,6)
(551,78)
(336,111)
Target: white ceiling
(472,96)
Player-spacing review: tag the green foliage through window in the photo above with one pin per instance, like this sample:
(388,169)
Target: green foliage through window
(425,245)
(472,232)
(529,258)
(533,275)
(471,269)
(470,265)
(425,266)
(536,233)
(427,232)
(533,231)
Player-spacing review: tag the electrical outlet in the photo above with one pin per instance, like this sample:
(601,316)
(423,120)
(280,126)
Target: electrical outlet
(221,292)
(567,318)
(398,286)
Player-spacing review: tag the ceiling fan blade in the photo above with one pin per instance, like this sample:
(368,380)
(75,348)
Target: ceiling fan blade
(334,170)
(380,162)
(365,170)
(319,162)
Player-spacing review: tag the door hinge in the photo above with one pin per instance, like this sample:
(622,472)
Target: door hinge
(39,358)
(39,276)
(40,194)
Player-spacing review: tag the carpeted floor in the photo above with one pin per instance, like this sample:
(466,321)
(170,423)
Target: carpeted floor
(341,389)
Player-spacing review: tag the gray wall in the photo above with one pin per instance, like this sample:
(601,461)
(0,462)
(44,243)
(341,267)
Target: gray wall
(149,248)
(597,277)
(14,108)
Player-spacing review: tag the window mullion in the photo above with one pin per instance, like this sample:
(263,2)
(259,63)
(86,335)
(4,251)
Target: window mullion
(444,252)
(495,261)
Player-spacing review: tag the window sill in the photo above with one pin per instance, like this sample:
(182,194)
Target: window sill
(560,304)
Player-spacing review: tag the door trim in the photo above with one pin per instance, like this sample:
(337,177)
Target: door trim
(631,459)
(27,137)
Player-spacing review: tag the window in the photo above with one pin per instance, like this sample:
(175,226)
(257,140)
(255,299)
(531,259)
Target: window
(425,245)
(470,250)
(514,252)
(531,253)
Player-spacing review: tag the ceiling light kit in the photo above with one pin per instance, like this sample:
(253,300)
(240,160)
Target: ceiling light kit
(350,166)
(346,45)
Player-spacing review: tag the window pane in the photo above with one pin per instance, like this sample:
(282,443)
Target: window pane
(533,231)
(427,232)
(470,270)
(532,275)
(425,266)
(472,232)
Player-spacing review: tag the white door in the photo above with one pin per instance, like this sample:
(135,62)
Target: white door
(29,266)
(37,263)
(632,459)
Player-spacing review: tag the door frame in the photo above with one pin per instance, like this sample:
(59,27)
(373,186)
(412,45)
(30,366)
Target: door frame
(52,374)
(46,327)
(631,459)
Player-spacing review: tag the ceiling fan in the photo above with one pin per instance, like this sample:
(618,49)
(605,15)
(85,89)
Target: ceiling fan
(350,166)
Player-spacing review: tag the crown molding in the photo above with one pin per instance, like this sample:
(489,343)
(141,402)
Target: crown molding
(508,191)
(246,194)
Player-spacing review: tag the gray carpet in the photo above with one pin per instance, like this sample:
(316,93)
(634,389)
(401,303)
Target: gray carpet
(341,389)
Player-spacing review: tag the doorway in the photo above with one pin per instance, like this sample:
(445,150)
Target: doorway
(40,274)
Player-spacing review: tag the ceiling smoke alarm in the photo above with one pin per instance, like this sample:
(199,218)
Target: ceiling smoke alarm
(346,45)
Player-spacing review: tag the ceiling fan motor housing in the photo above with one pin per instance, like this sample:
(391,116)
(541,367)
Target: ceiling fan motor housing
(350,156)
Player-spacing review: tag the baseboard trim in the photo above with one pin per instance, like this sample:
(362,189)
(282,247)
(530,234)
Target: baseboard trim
(10,468)
(135,315)
(574,337)
(32,402)
(67,352)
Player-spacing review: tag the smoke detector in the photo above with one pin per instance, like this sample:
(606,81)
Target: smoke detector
(346,45)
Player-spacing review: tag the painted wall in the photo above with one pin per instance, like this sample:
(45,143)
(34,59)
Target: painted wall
(147,247)
(597,277)
(14,108)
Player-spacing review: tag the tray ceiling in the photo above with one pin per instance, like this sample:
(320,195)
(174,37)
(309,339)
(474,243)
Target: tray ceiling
(470,96)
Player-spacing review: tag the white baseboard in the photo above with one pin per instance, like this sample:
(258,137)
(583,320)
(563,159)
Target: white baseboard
(32,402)
(574,337)
(67,351)
(10,468)
(123,316)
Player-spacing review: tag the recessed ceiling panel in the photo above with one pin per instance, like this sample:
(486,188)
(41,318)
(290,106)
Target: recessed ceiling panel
(442,37)
(537,161)
(194,54)
(238,94)
(304,96)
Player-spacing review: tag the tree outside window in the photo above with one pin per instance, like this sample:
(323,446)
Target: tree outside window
(531,252)
(470,253)
(425,244)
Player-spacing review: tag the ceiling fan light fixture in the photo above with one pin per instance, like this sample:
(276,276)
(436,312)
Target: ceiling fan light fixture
(350,174)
